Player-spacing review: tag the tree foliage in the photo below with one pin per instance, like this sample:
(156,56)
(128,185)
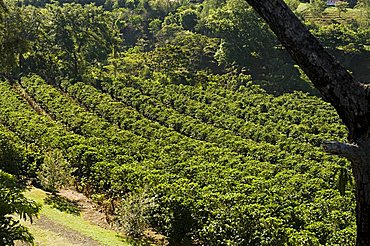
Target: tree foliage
(12,204)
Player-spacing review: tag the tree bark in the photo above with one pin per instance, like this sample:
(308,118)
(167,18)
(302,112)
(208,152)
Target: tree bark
(349,97)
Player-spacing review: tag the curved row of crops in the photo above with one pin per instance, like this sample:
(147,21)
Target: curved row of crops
(220,168)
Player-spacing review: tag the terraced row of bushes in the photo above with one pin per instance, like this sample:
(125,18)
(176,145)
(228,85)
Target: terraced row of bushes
(207,184)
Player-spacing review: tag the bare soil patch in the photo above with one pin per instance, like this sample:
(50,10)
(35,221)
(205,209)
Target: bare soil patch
(89,210)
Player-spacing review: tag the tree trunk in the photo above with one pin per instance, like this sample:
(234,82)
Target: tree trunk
(361,171)
(349,97)
(359,155)
(362,208)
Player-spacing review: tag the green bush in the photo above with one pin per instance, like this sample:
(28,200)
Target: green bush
(13,204)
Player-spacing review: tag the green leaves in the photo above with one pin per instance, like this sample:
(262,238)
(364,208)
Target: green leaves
(317,7)
(174,112)
(348,38)
(12,202)
(224,166)
(55,172)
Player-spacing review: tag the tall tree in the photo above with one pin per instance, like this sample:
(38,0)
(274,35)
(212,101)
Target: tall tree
(349,97)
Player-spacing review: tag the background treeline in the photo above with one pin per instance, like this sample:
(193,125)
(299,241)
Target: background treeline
(185,41)
(149,108)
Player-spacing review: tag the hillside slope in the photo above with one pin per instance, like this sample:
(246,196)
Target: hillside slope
(201,165)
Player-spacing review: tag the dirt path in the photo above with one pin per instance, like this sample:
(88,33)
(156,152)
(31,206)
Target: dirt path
(80,224)
(71,236)
(88,208)
(90,213)
(69,219)
(24,94)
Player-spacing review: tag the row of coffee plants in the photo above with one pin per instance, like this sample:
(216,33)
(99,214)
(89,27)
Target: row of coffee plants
(16,156)
(155,110)
(202,191)
(304,158)
(244,110)
(40,134)
(170,171)
(66,110)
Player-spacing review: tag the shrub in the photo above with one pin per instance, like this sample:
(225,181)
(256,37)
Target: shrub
(132,213)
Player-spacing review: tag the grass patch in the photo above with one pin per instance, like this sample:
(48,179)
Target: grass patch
(74,222)
(331,14)
(45,237)
(302,7)
(354,14)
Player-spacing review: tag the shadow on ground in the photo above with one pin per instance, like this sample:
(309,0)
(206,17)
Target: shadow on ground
(63,204)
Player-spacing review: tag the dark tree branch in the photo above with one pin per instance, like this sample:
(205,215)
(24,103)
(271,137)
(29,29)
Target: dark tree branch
(336,85)
(349,151)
